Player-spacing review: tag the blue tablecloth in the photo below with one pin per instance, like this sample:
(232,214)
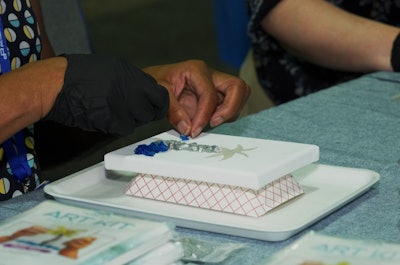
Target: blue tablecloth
(355,124)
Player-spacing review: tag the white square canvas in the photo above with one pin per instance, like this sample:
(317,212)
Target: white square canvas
(240,161)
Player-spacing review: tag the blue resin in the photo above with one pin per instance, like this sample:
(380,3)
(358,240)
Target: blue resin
(151,149)
(184,137)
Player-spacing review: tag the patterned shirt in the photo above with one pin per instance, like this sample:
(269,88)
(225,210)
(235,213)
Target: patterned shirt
(285,77)
(24,46)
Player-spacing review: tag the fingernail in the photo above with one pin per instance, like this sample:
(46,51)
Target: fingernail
(196,132)
(183,127)
(217,121)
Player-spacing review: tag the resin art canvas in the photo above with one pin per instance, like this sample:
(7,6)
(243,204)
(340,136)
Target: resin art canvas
(239,175)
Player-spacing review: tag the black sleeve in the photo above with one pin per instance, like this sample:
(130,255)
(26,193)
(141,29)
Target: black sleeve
(107,94)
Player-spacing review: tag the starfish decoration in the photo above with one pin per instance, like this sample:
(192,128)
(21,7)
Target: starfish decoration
(227,153)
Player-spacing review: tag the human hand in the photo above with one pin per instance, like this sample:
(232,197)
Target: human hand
(107,94)
(200,95)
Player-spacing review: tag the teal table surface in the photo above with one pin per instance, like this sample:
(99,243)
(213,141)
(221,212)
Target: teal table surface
(355,124)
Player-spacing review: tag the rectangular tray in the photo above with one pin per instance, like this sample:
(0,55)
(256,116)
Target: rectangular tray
(327,188)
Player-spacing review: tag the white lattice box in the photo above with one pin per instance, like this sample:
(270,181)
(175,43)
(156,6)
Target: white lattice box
(219,197)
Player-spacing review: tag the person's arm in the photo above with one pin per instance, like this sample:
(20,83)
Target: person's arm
(321,33)
(91,92)
(47,49)
(110,95)
(27,94)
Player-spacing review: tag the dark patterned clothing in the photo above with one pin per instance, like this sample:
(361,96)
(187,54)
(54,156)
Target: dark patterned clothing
(23,42)
(285,77)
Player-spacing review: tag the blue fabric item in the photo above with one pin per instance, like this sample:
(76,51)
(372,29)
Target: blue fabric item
(355,124)
(231,26)
(4,58)
(17,158)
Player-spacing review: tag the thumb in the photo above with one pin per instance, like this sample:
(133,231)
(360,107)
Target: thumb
(178,117)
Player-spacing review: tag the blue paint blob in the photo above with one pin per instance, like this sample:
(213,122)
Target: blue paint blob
(151,149)
(184,137)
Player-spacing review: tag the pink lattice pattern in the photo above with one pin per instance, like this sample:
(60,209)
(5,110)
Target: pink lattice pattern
(214,196)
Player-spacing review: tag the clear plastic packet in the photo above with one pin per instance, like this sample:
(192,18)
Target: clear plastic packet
(205,251)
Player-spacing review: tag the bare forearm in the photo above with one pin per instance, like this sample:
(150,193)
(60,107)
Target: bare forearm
(27,94)
(323,34)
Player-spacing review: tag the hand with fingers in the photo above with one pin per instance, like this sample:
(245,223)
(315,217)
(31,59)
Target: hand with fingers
(200,95)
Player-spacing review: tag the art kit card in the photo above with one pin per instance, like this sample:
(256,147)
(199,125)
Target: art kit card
(239,175)
(319,249)
(56,233)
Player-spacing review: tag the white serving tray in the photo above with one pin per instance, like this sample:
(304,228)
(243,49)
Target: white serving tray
(326,189)
(245,162)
